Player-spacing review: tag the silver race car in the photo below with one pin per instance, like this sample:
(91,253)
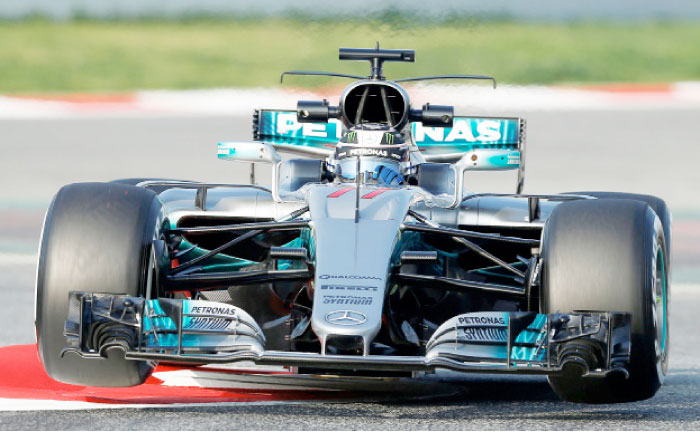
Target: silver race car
(367,256)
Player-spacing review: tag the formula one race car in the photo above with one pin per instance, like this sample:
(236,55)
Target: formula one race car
(365,257)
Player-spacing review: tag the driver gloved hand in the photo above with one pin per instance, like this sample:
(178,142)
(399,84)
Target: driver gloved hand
(386,176)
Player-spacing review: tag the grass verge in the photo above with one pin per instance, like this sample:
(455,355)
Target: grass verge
(89,56)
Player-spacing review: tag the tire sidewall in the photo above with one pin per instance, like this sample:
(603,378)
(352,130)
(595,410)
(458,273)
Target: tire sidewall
(658,250)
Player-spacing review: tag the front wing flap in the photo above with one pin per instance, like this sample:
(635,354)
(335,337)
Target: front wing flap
(176,326)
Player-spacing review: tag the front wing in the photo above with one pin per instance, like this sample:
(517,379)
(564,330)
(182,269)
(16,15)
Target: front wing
(205,332)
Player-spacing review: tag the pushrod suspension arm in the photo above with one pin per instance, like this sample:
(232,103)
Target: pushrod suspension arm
(471,245)
(454,283)
(249,235)
(216,279)
(272,225)
(468,234)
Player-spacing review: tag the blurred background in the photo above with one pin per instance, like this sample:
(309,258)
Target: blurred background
(94,90)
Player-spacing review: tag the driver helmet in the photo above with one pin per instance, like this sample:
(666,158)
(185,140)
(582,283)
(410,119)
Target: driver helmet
(366,150)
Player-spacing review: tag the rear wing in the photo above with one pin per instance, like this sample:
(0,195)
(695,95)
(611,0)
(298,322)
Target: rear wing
(503,134)
(492,143)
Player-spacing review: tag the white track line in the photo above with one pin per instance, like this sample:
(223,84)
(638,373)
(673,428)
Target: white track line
(216,379)
(17,405)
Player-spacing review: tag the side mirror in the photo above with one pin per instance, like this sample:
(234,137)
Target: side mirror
(434,115)
(248,151)
(316,112)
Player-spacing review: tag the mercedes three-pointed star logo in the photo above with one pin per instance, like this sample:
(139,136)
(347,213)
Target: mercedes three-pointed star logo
(346,318)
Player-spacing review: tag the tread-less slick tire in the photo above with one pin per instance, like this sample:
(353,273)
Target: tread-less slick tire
(97,237)
(656,204)
(610,255)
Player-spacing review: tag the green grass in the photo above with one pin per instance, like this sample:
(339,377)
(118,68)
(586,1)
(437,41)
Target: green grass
(89,56)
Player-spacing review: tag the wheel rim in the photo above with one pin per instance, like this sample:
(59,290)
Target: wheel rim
(661,305)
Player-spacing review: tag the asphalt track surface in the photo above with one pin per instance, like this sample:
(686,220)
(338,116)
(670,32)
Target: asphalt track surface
(640,151)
